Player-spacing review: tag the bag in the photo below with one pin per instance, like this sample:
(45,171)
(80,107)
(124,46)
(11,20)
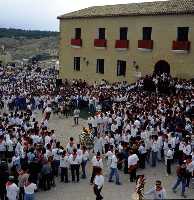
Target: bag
(131,168)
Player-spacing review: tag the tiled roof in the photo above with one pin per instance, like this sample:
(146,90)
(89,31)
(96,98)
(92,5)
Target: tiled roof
(134,9)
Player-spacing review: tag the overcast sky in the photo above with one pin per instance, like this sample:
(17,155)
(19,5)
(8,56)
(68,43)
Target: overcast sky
(42,14)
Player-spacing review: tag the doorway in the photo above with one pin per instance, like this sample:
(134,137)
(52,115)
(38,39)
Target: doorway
(162,67)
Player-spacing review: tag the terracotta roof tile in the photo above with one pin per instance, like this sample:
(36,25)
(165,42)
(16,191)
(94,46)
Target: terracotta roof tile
(133,9)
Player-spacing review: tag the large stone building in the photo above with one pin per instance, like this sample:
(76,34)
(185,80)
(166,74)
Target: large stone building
(123,42)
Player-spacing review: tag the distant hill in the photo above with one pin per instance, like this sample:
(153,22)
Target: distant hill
(26,43)
(29,34)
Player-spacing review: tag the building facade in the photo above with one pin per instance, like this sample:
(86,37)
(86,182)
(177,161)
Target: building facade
(125,42)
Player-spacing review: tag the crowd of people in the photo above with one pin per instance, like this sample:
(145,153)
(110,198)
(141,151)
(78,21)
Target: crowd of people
(132,126)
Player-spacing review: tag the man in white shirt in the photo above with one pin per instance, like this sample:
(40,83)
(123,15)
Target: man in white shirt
(74,160)
(12,189)
(76,114)
(47,112)
(114,127)
(98,144)
(98,183)
(29,189)
(119,122)
(64,165)
(56,152)
(154,150)
(114,169)
(85,158)
(187,149)
(189,169)
(96,163)
(169,158)
(158,192)
(132,165)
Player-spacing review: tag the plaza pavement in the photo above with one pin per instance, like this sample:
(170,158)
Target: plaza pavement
(83,190)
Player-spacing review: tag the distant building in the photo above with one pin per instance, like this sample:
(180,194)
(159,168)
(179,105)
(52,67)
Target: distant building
(125,42)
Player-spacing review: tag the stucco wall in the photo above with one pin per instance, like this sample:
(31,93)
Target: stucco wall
(164,31)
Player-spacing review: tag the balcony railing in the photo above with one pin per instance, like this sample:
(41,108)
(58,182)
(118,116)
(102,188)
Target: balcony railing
(181,45)
(100,43)
(145,44)
(122,44)
(76,42)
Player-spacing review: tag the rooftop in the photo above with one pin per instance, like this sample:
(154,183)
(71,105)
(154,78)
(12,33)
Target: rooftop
(170,7)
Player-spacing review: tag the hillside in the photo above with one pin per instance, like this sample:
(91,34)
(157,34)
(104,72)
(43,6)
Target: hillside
(24,44)
(30,34)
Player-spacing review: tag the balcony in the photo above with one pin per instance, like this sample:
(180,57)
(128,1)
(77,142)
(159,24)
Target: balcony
(76,43)
(122,44)
(181,46)
(145,45)
(100,43)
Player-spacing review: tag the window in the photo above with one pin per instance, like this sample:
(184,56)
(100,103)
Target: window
(121,68)
(100,66)
(123,33)
(182,33)
(77,33)
(101,33)
(147,33)
(77,63)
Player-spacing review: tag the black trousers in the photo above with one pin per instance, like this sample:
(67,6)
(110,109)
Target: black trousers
(76,120)
(21,193)
(64,173)
(168,167)
(75,171)
(142,160)
(93,175)
(133,175)
(46,182)
(188,178)
(97,192)
(126,166)
(2,192)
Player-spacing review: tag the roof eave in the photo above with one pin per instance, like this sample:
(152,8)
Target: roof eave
(124,15)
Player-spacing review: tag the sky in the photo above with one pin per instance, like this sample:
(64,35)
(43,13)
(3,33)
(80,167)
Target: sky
(42,14)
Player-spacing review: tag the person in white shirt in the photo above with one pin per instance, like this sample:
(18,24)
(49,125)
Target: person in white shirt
(142,155)
(165,149)
(114,127)
(160,145)
(98,183)
(47,112)
(71,145)
(154,150)
(106,142)
(64,165)
(85,158)
(75,162)
(47,138)
(187,150)
(119,123)
(96,163)
(94,121)
(180,152)
(132,165)
(169,159)
(12,189)
(114,169)
(76,114)
(189,169)
(56,152)
(2,147)
(98,144)
(158,192)
(29,189)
